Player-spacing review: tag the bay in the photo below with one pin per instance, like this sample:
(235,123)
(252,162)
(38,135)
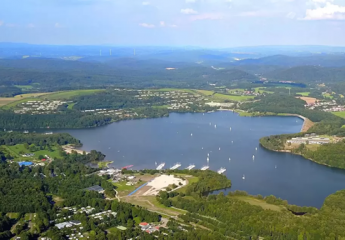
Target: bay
(188,138)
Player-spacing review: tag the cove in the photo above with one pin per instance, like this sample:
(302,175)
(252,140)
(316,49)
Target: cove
(188,138)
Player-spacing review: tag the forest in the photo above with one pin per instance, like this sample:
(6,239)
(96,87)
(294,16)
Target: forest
(69,119)
(27,190)
(13,138)
(328,123)
(230,217)
(53,74)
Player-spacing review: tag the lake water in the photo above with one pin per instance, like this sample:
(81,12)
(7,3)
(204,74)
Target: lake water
(143,142)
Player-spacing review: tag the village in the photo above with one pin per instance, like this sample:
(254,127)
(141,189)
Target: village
(67,217)
(313,138)
(326,106)
(39,107)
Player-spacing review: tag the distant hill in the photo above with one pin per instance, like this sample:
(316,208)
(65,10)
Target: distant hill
(56,74)
(288,61)
(308,74)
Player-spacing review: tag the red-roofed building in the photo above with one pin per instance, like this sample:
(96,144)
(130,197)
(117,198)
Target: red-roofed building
(143,224)
(44,159)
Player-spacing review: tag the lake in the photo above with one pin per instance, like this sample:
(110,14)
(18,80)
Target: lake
(188,138)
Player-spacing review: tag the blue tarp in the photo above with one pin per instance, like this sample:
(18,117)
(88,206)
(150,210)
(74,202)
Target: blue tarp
(25,163)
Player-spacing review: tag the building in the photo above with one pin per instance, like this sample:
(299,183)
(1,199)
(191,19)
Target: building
(309,139)
(68,224)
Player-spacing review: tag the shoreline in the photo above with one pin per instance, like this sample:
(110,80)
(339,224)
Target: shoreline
(298,154)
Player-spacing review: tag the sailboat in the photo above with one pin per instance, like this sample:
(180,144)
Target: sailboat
(208,159)
(208,154)
(229,159)
(230,128)
(191,134)
(202,147)
(243,177)
(219,149)
(155,163)
(215,126)
(253,157)
(256,149)
(210,124)
(276,166)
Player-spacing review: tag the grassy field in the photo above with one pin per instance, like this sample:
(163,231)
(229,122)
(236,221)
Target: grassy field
(328,95)
(71,105)
(261,203)
(24,87)
(29,216)
(222,97)
(16,151)
(152,204)
(13,101)
(70,94)
(191,179)
(104,164)
(13,215)
(205,92)
(172,89)
(261,90)
(123,189)
(305,94)
(340,114)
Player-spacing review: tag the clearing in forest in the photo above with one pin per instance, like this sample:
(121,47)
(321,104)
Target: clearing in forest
(260,203)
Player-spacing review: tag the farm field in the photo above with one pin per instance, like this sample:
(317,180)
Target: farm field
(205,92)
(305,94)
(308,100)
(222,97)
(65,95)
(339,114)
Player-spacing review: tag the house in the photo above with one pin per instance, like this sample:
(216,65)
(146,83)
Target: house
(143,224)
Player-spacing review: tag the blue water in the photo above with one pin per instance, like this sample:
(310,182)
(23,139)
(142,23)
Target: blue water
(143,142)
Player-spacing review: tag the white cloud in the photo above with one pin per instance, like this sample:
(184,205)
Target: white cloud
(188,11)
(145,3)
(162,23)
(1,23)
(207,16)
(147,25)
(57,25)
(191,1)
(173,26)
(329,11)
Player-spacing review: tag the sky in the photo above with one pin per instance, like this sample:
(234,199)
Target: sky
(207,23)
